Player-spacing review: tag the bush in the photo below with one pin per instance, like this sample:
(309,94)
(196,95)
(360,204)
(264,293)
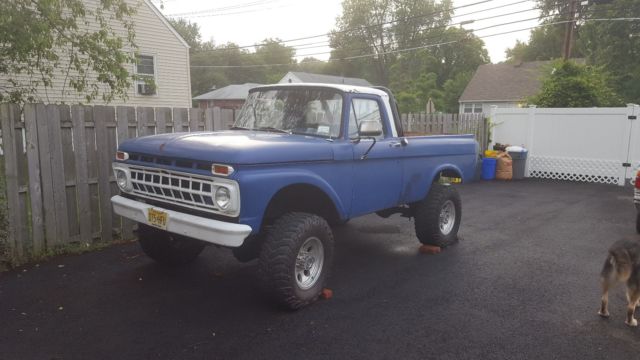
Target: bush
(569,84)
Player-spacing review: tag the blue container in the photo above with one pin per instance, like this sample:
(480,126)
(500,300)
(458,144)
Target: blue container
(489,168)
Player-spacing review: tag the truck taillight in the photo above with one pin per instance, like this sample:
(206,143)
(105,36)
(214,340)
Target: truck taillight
(638,180)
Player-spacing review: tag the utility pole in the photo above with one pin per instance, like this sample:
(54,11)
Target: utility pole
(568,35)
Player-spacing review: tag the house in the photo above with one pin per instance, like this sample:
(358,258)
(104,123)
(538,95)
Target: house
(228,97)
(163,57)
(303,77)
(504,85)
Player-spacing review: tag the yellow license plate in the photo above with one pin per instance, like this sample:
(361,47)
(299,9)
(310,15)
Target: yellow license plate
(158,218)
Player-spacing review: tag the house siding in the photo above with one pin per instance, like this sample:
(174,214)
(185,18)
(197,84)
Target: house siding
(171,60)
(486,106)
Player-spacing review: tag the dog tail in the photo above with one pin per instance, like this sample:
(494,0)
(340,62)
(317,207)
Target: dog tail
(618,261)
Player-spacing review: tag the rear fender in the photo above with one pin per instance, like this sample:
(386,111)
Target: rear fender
(449,170)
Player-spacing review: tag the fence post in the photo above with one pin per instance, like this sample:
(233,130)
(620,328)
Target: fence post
(123,116)
(8,115)
(35,185)
(208,119)
(531,125)
(194,119)
(492,125)
(626,144)
(218,124)
(48,200)
(100,116)
(180,123)
(82,174)
(58,182)
(162,114)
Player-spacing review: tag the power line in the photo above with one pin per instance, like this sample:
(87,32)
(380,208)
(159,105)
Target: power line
(379,24)
(444,26)
(242,12)
(224,8)
(414,48)
(470,30)
(441,26)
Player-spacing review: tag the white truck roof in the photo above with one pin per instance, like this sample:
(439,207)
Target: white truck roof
(341,87)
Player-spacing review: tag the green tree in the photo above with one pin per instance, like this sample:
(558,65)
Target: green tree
(271,51)
(568,84)
(313,65)
(614,45)
(545,43)
(463,56)
(387,28)
(189,31)
(452,90)
(217,67)
(44,40)
(381,27)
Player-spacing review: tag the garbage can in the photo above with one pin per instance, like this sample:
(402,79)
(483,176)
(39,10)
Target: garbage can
(519,157)
(489,168)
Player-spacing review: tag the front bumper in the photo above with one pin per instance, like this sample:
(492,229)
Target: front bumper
(197,227)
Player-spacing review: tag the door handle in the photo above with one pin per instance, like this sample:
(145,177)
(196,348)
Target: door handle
(403,142)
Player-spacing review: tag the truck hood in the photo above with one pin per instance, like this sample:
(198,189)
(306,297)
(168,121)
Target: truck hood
(232,147)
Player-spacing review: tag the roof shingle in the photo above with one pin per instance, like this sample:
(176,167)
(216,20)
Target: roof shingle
(504,82)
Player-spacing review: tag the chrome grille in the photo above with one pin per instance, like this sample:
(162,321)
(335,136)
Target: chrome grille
(174,187)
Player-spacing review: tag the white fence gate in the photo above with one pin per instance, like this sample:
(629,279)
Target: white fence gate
(580,144)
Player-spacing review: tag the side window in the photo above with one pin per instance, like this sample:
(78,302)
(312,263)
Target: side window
(145,69)
(363,110)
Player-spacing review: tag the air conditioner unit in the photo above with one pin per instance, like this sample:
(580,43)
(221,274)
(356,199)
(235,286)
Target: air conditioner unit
(146,89)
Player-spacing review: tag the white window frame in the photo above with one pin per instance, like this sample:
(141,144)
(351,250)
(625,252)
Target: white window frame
(473,107)
(155,75)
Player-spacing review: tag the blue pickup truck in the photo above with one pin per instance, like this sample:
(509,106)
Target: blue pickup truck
(299,159)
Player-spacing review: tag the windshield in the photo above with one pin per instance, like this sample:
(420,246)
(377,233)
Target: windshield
(315,112)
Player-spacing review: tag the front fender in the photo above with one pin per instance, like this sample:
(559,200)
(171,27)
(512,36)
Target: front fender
(258,187)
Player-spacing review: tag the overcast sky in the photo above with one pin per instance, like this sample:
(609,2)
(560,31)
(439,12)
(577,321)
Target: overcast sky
(246,22)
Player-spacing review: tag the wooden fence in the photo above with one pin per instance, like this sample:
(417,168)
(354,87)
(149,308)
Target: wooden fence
(435,124)
(57,163)
(58,168)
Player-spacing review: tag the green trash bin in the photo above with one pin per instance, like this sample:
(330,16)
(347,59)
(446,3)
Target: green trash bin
(519,163)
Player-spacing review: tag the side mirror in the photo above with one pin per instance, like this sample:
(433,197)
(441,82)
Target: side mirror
(370,128)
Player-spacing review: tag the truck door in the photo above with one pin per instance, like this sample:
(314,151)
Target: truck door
(377,179)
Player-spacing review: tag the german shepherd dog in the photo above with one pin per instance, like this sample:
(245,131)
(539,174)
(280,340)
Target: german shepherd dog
(622,265)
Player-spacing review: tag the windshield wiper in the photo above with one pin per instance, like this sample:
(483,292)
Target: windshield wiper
(239,128)
(273,129)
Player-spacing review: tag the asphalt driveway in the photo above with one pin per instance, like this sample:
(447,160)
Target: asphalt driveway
(521,284)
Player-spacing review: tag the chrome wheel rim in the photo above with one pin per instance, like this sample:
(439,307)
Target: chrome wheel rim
(309,263)
(447,217)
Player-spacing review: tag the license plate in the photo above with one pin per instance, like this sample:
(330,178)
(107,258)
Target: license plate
(158,218)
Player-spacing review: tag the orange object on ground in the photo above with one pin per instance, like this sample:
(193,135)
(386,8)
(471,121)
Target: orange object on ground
(326,294)
(430,249)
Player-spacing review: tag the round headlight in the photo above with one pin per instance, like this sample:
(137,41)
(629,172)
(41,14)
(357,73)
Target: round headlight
(223,198)
(121,179)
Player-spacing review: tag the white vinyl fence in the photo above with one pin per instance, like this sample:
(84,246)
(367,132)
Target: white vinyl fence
(599,145)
